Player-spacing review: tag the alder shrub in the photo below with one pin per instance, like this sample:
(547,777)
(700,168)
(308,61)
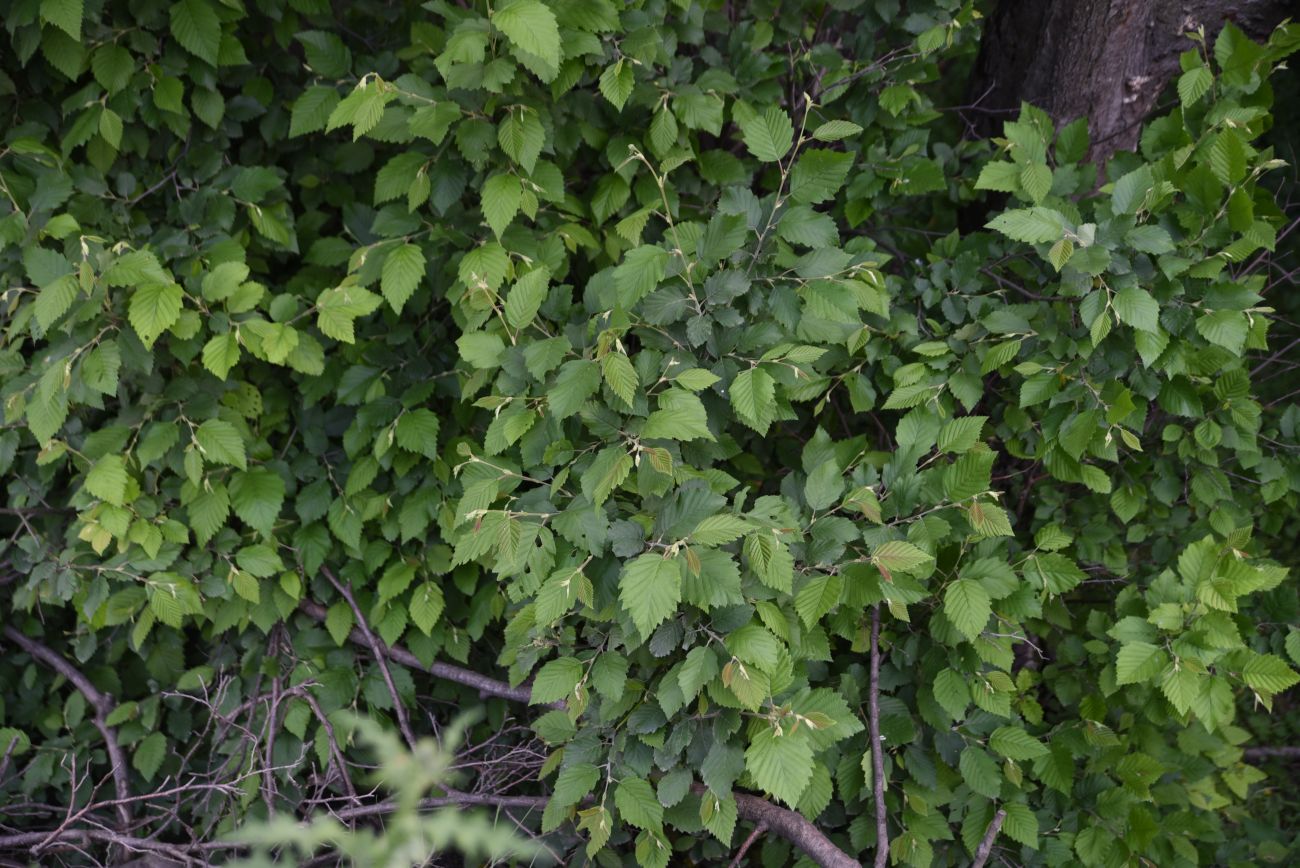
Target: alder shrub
(629,353)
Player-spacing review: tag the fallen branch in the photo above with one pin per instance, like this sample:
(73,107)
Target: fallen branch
(877,752)
(102,704)
(986,846)
(483,684)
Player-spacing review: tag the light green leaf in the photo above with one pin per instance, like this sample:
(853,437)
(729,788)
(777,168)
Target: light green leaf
(154,309)
(108,479)
(637,804)
(403,270)
(556,680)
(1033,225)
(501,196)
(968,607)
(531,26)
(417,431)
(617,82)
(650,589)
(769,135)
(1137,308)
(781,764)
(220,443)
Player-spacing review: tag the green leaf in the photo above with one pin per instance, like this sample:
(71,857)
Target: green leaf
(1033,225)
(1194,84)
(501,196)
(968,607)
(63,14)
(780,763)
(403,270)
(1225,328)
(620,376)
(257,495)
(817,597)
(531,26)
(221,353)
(526,297)
(1268,674)
(556,680)
(980,772)
(650,589)
(1014,743)
(1130,192)
(638,805)
(769,136)
(108,479)
(896,555)
(197,28)
(681,416)
(639,273)
(221,443)
(521,137)
(959,435)
(312,110)
(1137,308)
(1137,662)
(426,607)
(834,131)
(154,308)
(417,431)
(617,82)
(753,397)
(149,755)
(606,473)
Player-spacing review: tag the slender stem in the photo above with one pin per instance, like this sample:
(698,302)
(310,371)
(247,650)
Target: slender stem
(877,752)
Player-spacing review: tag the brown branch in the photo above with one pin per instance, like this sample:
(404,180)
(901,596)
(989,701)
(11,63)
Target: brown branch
(101,702)
(399,708)
(1284,751)
(986,846)
(794,828)
(749,842)
(452,799)
(485,685)
(877,753)
(786,823)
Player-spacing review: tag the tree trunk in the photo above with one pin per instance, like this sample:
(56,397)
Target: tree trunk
(1106,60)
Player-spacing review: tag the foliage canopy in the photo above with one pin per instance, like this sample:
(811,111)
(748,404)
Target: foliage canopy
(630,353)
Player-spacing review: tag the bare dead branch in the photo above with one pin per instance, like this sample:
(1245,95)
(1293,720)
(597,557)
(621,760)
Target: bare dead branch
(102,704)
(377,648)
(485,685)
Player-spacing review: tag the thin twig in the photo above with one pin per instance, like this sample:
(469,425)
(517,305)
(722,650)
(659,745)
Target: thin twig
(377,647)
(485,685)
(749,842)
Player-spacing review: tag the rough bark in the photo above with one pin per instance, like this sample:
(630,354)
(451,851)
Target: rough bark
(1106,60)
